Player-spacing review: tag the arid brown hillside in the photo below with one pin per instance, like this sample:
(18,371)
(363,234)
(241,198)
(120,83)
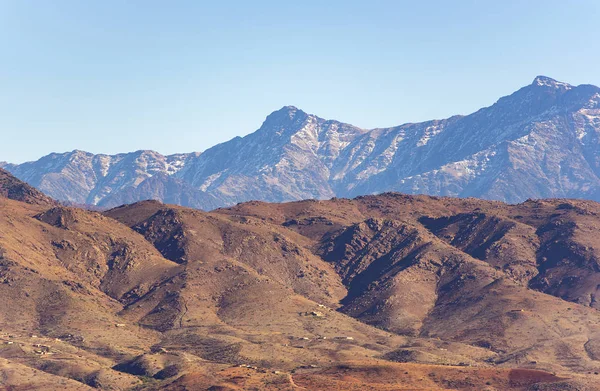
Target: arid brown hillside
(385,292)
(14,189)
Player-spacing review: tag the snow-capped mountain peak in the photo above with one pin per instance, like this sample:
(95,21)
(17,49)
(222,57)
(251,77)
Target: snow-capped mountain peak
(544,81)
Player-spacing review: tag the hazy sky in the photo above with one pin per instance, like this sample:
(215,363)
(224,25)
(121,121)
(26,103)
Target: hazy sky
(112,76)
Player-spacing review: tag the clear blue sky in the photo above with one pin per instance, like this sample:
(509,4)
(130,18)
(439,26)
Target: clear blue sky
(112,76)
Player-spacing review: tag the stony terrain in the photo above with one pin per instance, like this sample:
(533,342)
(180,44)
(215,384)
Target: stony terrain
(385,292)
(540,142)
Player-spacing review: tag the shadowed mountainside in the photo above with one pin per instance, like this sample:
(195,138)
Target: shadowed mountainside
(14,189)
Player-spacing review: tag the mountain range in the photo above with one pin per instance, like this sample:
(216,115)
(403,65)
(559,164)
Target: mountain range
(541,141)
(376,293)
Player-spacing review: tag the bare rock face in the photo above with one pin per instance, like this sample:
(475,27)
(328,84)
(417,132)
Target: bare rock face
(541,141)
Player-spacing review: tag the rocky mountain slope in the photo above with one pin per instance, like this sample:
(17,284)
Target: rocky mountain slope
(541,141)
(375,293)
(14,189)
(84,178)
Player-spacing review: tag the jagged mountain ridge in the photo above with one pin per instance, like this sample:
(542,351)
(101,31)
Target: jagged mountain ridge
(84,178)
(541,141)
